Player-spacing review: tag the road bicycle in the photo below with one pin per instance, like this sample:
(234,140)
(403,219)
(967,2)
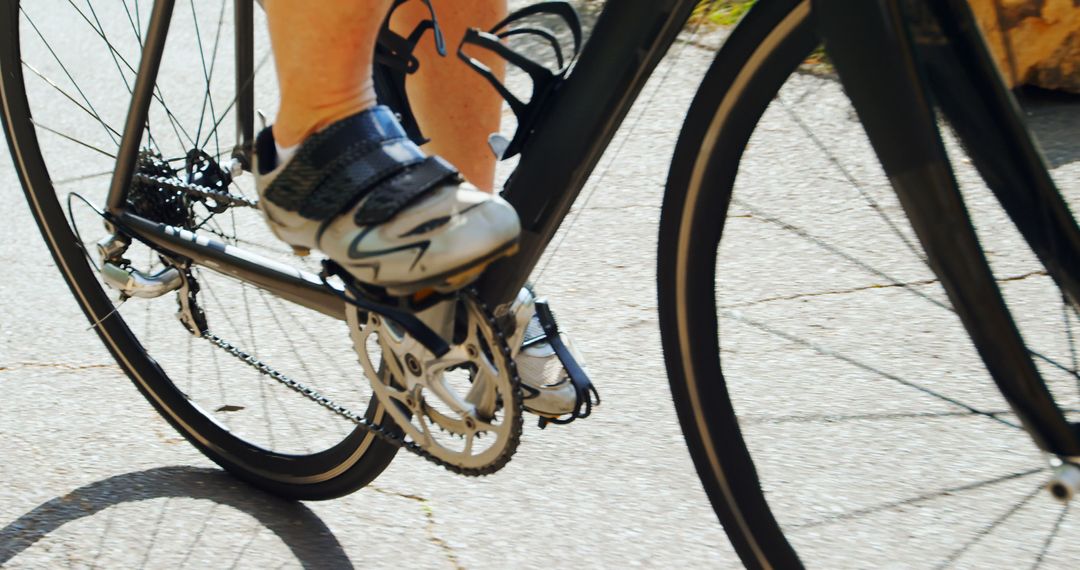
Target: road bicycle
(171,131)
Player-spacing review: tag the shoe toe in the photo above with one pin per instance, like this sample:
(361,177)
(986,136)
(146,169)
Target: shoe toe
(453,227)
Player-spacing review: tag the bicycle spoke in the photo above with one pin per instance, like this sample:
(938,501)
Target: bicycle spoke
(915,500)
(910,287)
(955,555)
(247,83)
(208,71)
(100,29)
(833,160)
(1053,535)
(826,352)
(71,98)
(64,68)
(261,385)
(119,58)
(82,177)
(74,140)
(758,214)
(136,25)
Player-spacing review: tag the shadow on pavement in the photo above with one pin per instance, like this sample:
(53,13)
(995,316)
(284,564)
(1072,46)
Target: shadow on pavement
(1054,118)
(300,529)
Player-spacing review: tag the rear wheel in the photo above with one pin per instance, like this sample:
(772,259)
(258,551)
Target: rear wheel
(835,409)
(67,75)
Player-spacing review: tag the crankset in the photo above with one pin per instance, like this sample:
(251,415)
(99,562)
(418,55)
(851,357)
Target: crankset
(463,408)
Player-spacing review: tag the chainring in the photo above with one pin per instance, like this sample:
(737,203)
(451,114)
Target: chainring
(472,393)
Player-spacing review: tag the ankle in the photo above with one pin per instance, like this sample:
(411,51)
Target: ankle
(295,123)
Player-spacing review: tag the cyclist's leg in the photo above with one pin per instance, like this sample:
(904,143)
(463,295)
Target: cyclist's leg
(456,108)
(323,61)
(354,186)
(323,52)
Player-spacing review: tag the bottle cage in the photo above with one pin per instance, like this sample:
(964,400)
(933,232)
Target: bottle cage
(395,60)
(544,80)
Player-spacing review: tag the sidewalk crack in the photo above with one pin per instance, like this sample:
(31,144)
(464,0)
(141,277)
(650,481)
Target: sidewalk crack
(905,285)
(430,527)
(54,365)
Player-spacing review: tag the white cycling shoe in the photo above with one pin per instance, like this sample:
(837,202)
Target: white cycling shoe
(362,193)
(551,390)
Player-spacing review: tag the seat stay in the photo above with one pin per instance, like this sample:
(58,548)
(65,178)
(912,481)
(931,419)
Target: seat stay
(870,46)
(128,154)
(244,23)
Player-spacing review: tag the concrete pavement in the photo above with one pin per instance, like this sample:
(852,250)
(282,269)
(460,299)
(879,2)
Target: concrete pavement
(827,314)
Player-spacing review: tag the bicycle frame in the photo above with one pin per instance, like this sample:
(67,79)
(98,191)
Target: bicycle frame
(888,76)
(581,118)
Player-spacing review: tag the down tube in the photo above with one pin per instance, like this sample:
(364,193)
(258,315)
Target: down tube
(580,119)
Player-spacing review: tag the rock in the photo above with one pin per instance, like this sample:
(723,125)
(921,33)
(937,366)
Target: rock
(1035,42)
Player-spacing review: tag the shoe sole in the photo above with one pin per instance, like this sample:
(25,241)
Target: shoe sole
(454,279)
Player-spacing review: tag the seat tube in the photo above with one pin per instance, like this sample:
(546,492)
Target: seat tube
(142,94)
(873,55)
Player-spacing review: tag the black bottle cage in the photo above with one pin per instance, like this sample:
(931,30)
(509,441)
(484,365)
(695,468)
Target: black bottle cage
(544,80)
(394,60)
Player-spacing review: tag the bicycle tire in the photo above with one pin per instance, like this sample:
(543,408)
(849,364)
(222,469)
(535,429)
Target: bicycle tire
(350,458)
(757,60)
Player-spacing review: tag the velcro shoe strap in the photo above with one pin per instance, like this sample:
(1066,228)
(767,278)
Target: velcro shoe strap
(357,176)
(338,166)
(398,192)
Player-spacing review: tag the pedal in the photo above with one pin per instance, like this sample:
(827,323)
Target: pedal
(587,396)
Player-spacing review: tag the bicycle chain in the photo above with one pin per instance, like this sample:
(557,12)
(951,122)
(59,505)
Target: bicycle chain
(381,432)
(222,198)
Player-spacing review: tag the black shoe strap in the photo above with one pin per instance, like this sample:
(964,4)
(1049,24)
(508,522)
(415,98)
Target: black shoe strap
(367,154)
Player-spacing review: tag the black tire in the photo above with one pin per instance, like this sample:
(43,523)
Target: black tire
(317,461)
(728,436)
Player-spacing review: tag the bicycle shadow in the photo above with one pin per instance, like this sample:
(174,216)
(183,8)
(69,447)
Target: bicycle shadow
(298,527)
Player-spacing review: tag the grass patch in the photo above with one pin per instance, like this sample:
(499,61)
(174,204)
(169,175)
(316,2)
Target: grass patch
(722,12)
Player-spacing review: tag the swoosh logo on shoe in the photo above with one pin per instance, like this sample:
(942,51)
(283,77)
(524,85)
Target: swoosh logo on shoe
(355,253)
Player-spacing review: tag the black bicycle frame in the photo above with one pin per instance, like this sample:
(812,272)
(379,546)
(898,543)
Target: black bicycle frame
(892,61)
(580,118)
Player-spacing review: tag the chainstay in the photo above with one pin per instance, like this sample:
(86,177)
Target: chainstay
(385,434)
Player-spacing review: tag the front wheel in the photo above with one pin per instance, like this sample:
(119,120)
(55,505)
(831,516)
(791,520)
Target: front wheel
(831,400)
